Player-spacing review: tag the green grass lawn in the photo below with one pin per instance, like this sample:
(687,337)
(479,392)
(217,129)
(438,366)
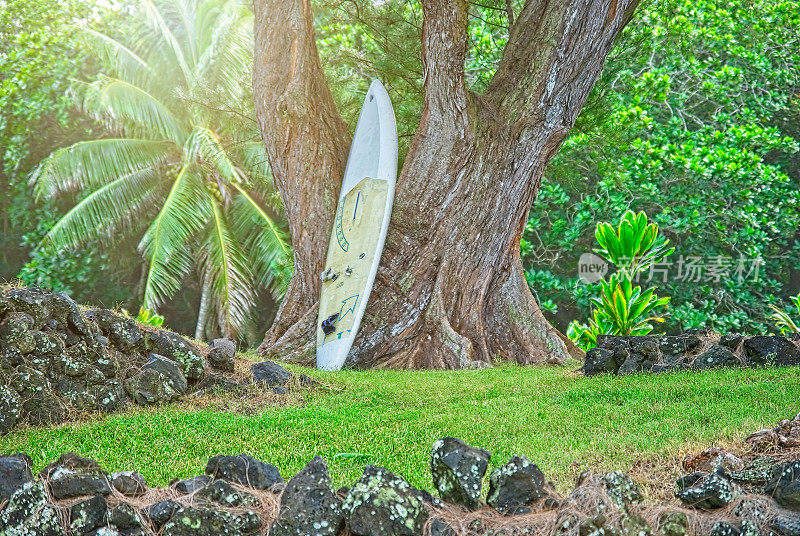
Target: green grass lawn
(564,422)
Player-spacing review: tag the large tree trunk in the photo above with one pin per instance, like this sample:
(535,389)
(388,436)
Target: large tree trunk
(451,292)
(307,143)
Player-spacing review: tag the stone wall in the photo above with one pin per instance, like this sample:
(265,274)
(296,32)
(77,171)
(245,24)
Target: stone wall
(58,360)
(240,496)
(694,350)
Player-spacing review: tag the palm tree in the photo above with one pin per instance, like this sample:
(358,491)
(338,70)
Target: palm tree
(183,166)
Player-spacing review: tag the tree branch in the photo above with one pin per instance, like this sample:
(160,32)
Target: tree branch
(554,54)
(510,13)
(444,51)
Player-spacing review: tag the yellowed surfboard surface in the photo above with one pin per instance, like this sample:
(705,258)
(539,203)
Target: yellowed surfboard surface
(351,252)
(359,231)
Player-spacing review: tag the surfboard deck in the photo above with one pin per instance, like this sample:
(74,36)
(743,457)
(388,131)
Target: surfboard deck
(359,230)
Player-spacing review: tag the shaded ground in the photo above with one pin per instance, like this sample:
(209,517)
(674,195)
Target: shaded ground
(562,421)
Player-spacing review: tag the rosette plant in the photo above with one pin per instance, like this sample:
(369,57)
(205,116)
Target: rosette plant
(622,308)
(182,167)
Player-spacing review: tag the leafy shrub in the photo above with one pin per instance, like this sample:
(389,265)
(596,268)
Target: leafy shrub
(622,308)
(148,317)
(696,121)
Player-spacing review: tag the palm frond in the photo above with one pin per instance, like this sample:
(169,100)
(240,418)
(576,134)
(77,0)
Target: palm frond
(157,22)
(127,64)
(228,54)
(115,99)
(264,240)
(226,273)
(203,143)
(255,161)
(186,11)
(93,163)
(166,244)
(102,213)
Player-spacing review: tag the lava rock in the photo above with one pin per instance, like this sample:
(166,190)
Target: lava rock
(43,408)
(81,399)
(678,344)
(33,301)
(223,494)
(771,350)
(224,346)
(245,470)
(46,344)
(270,374)
(29,381)
(731,340)
(518,483)
(109,397)
(599,361)
(622,490)
(715,357)
(440,528)
(670,363)
(756,472)
(150,387)
(171,370)
(122,332)
(248,522)
(308,504)
(705,492)
(10,358)
(722,528)
(162,511)
(191,521)
(190,485)
(457,470)
(786,525)
(219,360)
(635,364)
(218,381)
(673,523)
(308,381)
(125,518)
(646,346)
(87,515)
(10,409)
(15,330)
(784,486)
(61,306)
(178,349)
(15,472)
(75,476)
(28,513)
(383,504)
(129,483)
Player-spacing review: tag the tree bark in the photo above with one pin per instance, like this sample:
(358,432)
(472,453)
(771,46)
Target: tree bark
(307,143)
(450,291)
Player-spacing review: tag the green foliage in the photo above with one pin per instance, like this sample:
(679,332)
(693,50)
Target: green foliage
(399,414)
(784,321)
(634,246)
(182,166)
(694,121)
(39,55)
(148,317)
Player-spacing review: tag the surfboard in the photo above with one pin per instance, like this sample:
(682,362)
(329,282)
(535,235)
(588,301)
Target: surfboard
(359,230)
